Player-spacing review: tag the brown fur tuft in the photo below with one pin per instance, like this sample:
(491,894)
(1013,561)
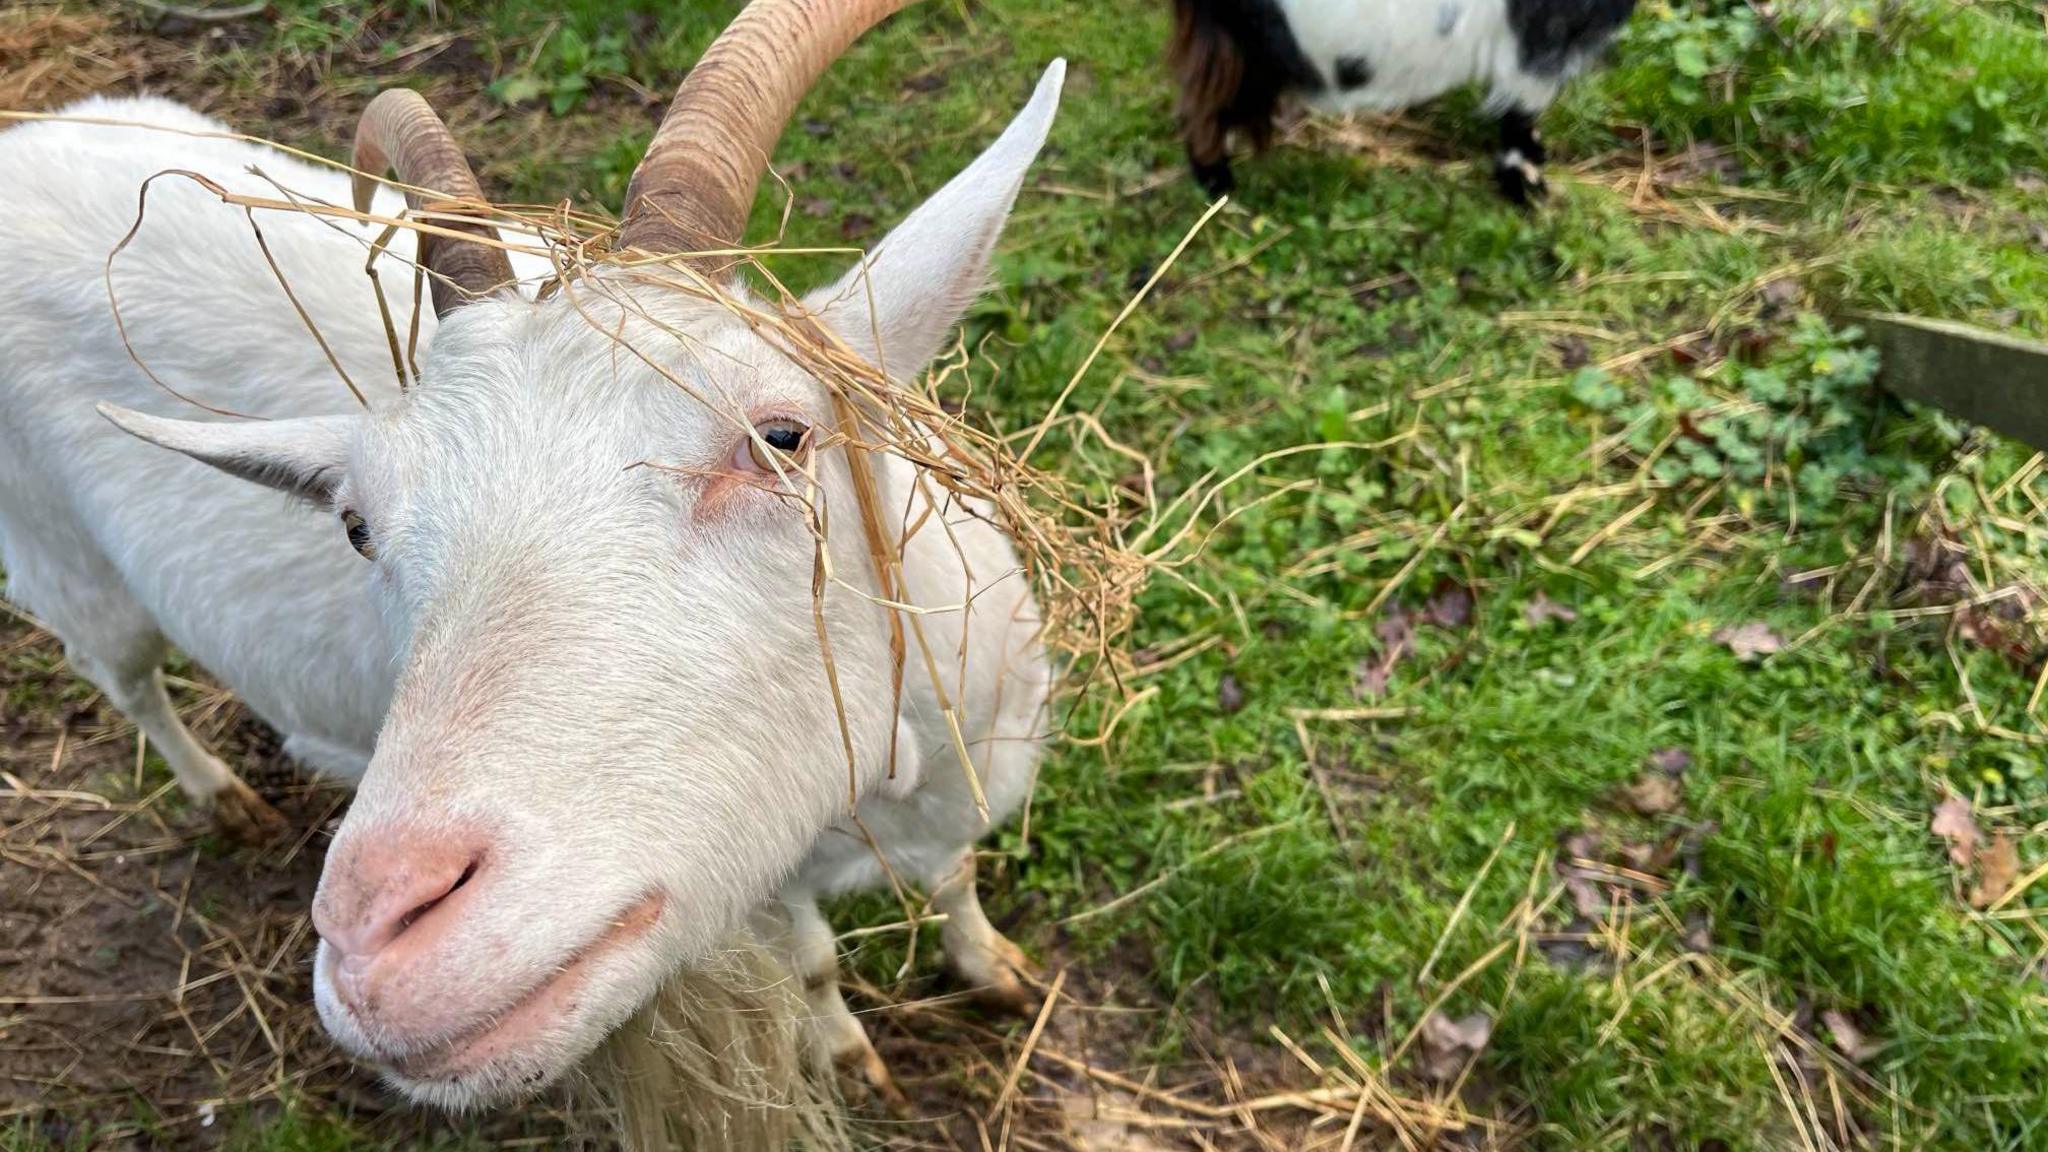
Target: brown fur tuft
(1206,63)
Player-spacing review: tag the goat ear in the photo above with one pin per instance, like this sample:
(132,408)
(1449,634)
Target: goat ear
(898,305)
(305,457)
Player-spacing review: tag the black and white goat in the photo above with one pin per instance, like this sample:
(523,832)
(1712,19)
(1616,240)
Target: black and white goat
(1237,59)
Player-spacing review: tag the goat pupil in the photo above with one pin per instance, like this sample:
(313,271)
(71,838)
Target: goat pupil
(784,439)
(359,537)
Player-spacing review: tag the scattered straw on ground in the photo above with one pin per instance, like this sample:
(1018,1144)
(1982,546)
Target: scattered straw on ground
(49,56)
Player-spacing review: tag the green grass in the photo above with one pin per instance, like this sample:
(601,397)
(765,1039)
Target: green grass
(1885,149)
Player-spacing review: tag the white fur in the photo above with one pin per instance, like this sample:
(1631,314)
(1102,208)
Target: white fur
(1418,50)
(619,681)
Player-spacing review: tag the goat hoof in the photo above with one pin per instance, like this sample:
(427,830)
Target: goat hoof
(245,817)
(1521,180)
(1008,997)
(863,1076)
(1004,985)
(1216,179)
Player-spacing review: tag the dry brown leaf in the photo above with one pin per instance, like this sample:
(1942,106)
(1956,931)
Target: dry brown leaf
(1541,608)
(1671,761)
(1449,1045)
(1780,296)
(1396,632)
(1229,694)
(1653,794)
(1997,866)
(1369,679)
(1589,898)
(1450,606)
(1096,1123)
(1750,642)
(1954,823)
(1848,1038)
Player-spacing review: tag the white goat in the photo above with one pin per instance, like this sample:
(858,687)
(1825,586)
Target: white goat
(584,699)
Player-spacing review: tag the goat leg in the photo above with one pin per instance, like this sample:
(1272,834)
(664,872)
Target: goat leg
(1518,168)
(980,956)
(1213,175)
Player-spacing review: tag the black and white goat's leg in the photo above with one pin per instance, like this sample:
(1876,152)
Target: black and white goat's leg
(1518,168)
(1209,160)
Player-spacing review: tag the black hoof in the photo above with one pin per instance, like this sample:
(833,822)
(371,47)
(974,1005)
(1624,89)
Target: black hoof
(1216,179)
(1520,180)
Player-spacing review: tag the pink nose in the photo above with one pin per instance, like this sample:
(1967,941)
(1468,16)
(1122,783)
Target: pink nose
(388,897)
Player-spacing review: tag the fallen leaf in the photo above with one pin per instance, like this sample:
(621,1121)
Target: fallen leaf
(1637,857)
(1541,608)
(1396,629)
(1848,1038)
(1698,350)
(1752,344)
(1780,295)
(1701,164)
(855,225)
(1997,865)
(1671,761)
(1369,679)
(1094,1125)
(1653,794)
(1450,606)
(1937,571)
(1449,1045)
(1573,948)
(1750,642)
(1229,694)
(1396,632)
(1954,823)
(1699,931)
(816,207)
(1573,353)
(1589,899)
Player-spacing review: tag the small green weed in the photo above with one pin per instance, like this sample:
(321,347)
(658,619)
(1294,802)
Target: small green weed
(563,70)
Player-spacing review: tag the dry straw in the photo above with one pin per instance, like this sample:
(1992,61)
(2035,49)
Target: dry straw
(49,55)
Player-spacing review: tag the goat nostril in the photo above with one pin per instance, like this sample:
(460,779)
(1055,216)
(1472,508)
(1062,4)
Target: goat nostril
(412,917)
(407,920)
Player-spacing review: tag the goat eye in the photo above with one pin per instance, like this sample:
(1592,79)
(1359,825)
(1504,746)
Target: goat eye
(788,439)
(359,534)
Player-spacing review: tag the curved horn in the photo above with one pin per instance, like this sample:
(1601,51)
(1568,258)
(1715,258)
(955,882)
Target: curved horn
(399,133)
(695,187)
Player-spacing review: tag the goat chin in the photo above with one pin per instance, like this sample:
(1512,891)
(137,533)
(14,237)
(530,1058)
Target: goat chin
(718,1060)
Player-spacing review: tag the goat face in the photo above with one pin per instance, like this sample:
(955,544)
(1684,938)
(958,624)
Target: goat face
(611,735)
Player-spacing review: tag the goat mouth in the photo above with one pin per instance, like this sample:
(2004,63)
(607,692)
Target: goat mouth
(508,1031)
